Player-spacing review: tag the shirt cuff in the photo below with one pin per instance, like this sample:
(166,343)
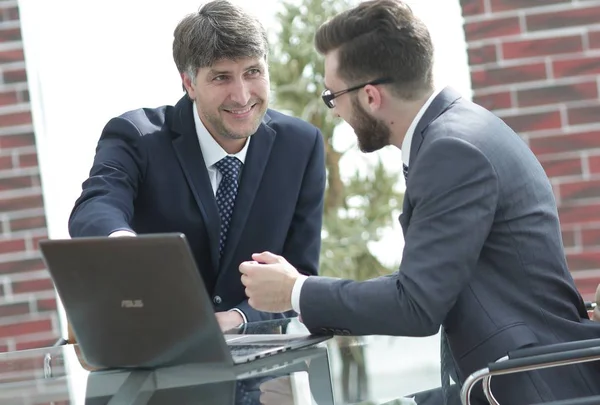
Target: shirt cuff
(121,233)
(239,311)
(296,292)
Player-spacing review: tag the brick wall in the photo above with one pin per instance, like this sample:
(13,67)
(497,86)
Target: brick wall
(27,303)
(536,64)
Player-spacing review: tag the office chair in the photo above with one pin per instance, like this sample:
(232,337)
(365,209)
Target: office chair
(535,358)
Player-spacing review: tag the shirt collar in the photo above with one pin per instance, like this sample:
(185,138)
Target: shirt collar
(211,150)
(406,143)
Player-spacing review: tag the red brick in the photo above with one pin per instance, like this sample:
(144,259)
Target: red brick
(594,164)
(568,237)
(506,75)
(21,203)
(583,261)
(6,162)
(17,140)
(10,34)
(590,237)
(24,96)
(3,348)
(15,183)
(15,76)
(21,364)
(25,328)
(557,94)
(576,67)
(35,240)
(542,47)
(22,266)
(482,54)
(534,121)
(9,13)
(562,167)
(583,115)
(22,224)
(494,101)
(18,118)
(492,28)
(37,344)
(565,143)
(559,19)
(46,305)
(12,245)
(506,5)
(576,214)
(9,97)
(40,284)
(472,7)
(15,309)
(28,160)
(594,39)
(579,190)
(13,55)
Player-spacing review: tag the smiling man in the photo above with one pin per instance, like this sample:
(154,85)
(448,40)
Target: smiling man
(221,167)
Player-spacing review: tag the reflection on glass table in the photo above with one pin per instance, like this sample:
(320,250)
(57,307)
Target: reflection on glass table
(341,370)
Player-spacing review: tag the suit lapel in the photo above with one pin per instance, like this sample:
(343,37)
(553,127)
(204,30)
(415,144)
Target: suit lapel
(437,107)
(254,166)
(187,149)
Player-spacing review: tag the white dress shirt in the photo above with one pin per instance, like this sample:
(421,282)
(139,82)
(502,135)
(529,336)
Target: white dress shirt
(406,143)
(213,152)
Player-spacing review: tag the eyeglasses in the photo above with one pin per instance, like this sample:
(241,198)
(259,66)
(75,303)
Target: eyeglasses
(328,96)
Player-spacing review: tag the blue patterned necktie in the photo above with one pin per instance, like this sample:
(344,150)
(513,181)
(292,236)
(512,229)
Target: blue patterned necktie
(447,364)
(229,167)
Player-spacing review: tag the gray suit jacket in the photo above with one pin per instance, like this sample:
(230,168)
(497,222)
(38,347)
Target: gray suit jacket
(483,257)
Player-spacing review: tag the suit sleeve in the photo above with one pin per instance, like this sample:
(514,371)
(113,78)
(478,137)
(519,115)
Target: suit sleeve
(303,242)
(106,202)
(454,192)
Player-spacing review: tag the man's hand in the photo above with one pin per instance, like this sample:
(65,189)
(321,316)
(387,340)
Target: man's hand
(269,281)
(229,320)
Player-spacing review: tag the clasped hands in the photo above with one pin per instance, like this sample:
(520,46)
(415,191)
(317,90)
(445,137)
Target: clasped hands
(269,280)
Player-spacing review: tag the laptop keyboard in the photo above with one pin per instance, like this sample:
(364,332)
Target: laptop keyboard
(246,350)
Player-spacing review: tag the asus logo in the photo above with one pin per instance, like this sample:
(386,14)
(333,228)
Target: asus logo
(132,304)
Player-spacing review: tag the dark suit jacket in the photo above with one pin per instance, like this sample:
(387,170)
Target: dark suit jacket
(149,176)
(483,257)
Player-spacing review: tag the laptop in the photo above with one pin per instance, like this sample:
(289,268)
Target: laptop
(141,303)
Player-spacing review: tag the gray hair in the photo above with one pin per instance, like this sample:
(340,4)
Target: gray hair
(219,30)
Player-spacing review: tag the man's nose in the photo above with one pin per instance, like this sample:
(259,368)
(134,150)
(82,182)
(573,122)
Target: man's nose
(240,93)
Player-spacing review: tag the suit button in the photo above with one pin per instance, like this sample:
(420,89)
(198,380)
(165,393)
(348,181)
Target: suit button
(217,300)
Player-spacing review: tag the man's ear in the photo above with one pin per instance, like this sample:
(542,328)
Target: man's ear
(374,97)
(188,86)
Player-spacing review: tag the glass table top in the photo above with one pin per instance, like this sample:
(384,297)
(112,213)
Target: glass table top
(340,370)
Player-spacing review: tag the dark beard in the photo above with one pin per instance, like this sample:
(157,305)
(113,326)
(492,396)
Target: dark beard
(372,134)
